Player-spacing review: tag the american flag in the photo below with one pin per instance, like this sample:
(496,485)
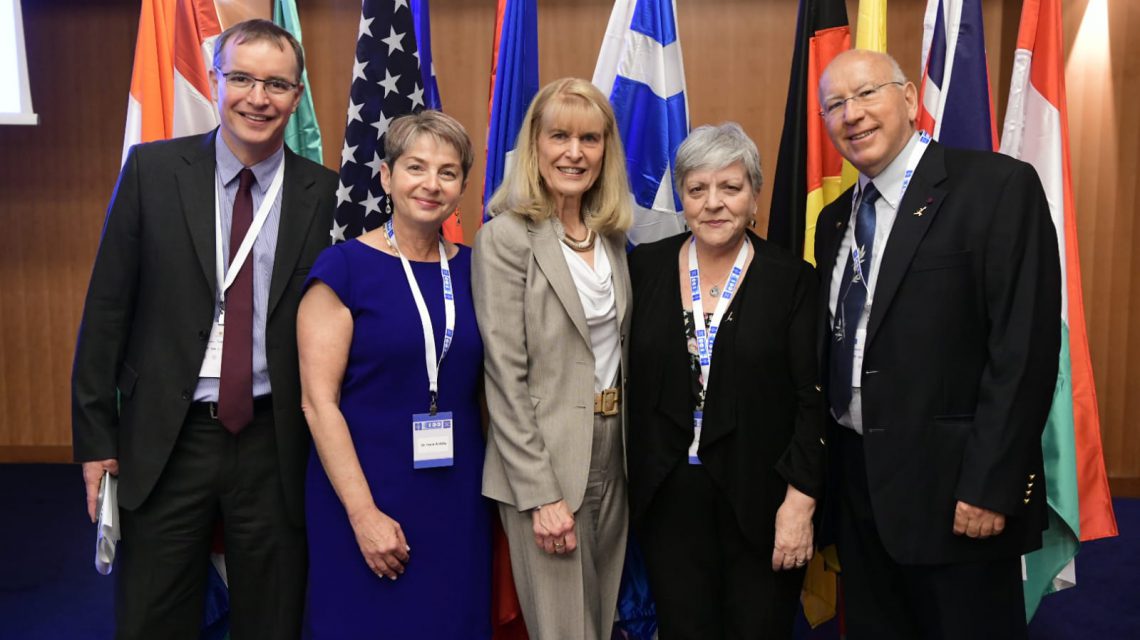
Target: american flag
(386,83)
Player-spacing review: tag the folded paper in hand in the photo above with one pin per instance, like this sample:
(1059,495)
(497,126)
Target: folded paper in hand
(107,533)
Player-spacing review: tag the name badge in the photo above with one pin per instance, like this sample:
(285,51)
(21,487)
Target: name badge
(212,363)
(857,358)
(698,419)
(432,443)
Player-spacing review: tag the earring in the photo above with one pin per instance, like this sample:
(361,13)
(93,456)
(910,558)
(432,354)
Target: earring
(387,207)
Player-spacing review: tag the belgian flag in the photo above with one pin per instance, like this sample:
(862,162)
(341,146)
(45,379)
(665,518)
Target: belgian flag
(808,168)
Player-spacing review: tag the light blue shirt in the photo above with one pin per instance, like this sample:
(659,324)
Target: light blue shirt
(264,248)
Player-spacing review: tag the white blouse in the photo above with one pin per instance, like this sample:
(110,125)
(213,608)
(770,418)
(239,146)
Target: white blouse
(596,291)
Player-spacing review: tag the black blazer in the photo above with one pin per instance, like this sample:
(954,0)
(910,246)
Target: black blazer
(150,305)
(961,354)
(764,413)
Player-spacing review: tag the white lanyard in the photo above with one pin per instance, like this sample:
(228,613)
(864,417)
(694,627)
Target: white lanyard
(425,319)
(911,165)
(705,340)
(225,277)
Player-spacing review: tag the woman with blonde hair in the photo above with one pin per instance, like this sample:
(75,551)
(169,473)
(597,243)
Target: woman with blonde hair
(552,294)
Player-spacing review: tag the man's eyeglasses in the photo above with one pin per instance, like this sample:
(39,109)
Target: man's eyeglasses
(864,98)
(244,81)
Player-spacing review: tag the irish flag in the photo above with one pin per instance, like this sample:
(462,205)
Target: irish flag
(170,85)
(1036,130)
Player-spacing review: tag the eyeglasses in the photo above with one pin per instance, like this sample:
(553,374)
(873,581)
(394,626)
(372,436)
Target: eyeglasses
(864,98)
(244,82)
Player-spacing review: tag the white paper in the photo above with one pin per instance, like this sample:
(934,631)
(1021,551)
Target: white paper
(107,529)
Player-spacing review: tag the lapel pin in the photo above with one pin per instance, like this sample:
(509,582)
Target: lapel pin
(920,211)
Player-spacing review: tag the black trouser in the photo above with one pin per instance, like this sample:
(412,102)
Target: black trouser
(886,600)
(163,557)
(710,582)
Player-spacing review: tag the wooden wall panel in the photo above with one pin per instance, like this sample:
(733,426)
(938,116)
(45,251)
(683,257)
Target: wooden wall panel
(56,179)
(1104,132)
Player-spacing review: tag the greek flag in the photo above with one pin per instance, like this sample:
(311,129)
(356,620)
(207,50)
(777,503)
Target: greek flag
(640,69)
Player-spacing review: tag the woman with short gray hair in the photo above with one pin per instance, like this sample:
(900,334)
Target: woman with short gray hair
(726,419)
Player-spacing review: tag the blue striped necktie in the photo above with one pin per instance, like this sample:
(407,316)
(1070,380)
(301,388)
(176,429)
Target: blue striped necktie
(852,300)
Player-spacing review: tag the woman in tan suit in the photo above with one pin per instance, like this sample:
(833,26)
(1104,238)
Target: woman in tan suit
(551,291)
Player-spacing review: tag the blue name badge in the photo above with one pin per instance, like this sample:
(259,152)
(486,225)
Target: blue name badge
(698,419)
(432,442)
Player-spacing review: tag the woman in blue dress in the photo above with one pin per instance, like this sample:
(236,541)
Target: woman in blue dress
(391,359)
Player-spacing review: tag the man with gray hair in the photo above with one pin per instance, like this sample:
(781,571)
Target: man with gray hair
(186,381)
(939,339)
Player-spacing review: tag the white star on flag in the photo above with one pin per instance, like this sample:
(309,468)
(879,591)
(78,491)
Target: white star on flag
(394,42)
(390,86)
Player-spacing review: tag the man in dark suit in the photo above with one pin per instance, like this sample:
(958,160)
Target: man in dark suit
(185,381)
(940,329)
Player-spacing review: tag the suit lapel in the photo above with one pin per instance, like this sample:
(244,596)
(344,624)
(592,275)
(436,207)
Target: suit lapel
(298,209)
(919,206)
(620,269)
(196,189)
(832,225)
(550,260)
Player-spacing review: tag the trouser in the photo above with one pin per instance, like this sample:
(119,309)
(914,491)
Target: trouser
(573,596)
(162,562)
(887,600)
(708,580)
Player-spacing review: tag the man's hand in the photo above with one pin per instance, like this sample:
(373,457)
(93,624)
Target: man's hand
(977,522)
(92,475)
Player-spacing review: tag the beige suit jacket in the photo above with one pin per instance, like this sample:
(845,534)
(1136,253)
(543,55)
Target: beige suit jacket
(539,364)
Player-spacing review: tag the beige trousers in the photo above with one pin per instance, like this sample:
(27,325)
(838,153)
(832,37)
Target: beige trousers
(574,596)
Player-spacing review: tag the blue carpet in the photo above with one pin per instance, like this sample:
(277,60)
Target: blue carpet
(49,589)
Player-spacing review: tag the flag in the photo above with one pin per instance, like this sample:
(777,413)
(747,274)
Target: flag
(1036,130)
(514,81)
(302,134)
(386,83)
(170,84)
(421,18)
(808,166)
(641,70)
(954,104)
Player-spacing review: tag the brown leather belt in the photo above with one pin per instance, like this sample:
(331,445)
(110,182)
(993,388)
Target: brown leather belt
(608,402)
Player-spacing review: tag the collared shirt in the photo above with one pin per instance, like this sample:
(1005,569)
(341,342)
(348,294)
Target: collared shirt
(889,183)
(264,248)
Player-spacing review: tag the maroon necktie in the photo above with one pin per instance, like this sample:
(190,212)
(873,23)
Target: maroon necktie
(235,389)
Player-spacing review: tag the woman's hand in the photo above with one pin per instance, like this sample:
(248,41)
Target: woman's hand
(381,542)
(793,548)
(554,528)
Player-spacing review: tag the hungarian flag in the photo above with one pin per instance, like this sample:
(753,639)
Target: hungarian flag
(514,81)
(954,104)
(808,166)
(1037,131)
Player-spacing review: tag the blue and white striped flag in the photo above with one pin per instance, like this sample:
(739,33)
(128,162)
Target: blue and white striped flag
(641,70)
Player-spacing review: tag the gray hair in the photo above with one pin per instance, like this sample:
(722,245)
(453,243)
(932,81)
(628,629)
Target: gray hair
(716,147)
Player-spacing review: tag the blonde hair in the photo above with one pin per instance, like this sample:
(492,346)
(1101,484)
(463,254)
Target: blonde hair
(405,130)
(606,205)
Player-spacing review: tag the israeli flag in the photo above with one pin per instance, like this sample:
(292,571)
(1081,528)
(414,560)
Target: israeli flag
(641,70)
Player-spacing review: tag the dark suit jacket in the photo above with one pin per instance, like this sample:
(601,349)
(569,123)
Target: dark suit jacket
(764,413)
(961,354)
(150,305)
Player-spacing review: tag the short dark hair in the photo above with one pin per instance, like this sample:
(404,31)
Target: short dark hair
(258,30)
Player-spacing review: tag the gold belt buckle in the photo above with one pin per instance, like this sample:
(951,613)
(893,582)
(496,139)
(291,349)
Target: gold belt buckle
(606,402)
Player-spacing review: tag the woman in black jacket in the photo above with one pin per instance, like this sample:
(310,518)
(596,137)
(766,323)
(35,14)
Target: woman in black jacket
(726,417)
